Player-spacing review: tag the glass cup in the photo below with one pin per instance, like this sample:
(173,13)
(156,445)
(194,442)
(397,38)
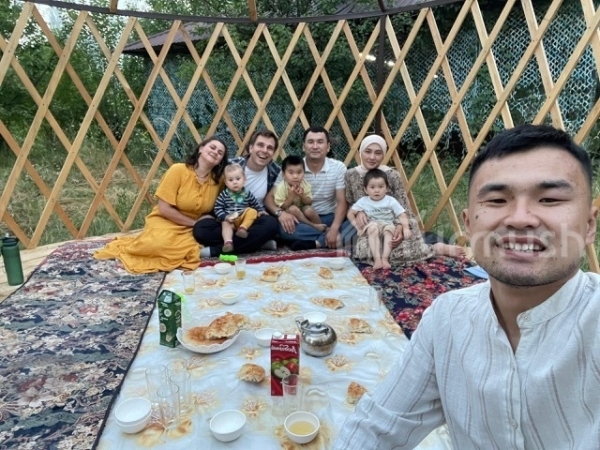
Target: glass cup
(168,405)
(183,380)
(240,268)
(189,281)
(292,393)
(156,377)
(177,365)
(374,299)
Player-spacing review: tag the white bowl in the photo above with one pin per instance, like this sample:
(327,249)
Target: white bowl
(315,317)
(264,335)
(337,263)
(228,425)
(222,268)
(132,415)
(301,416)
(229,297)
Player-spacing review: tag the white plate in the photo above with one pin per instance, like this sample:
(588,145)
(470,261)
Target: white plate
(205,349)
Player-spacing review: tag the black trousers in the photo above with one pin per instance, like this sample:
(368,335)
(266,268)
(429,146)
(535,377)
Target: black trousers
(208,233)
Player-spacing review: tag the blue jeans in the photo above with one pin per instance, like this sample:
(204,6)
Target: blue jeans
(305,232)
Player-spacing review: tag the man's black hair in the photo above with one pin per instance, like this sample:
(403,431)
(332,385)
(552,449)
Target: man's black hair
(524,138)
(315,129)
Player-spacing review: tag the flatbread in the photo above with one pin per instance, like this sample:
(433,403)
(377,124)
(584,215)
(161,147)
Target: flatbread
(197,336)
(251,373)
(355,392)
(328,302)
(325,272)
(271,274)
(332,303)
(225,326)
(359,326)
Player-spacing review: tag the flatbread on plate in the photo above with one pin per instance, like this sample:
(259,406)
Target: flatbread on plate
(226,326)
(197,336)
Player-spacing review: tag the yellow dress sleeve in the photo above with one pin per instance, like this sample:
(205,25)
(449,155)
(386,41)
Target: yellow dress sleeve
(170,183)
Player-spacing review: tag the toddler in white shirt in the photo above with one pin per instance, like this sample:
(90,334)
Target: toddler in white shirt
(387,218)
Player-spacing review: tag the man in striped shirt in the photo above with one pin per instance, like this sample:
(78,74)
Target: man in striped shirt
(326,178)
(513,363)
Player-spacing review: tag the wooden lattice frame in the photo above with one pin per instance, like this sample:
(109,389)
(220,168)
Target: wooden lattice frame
(501,108)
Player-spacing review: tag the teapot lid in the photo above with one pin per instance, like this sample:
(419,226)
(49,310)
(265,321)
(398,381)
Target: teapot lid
(316,327)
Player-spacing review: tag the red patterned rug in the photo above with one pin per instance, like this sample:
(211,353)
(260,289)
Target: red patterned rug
(409,291)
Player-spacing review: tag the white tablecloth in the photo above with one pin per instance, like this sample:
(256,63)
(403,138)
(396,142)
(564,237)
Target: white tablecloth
(363,358)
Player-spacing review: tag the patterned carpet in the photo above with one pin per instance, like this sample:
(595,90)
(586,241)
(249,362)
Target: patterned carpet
(71,331)
(68,337)
(408,291)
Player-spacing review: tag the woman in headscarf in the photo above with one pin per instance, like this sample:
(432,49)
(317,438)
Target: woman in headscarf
(372,151)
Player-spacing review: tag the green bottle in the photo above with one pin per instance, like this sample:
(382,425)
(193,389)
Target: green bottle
(12,260)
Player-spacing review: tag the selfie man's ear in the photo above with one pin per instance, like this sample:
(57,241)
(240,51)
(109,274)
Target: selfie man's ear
(465,218)
(590,237)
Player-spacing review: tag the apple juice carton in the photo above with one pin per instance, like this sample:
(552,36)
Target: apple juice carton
(169,317)
(285,359)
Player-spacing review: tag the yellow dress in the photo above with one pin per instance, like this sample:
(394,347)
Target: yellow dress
(164,245)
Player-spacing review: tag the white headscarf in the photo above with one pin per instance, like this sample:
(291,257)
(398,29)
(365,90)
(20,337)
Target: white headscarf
(372,139)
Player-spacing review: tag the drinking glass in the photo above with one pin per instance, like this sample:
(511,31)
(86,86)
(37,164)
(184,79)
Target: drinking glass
(183,380)
(240,268)
(177,365)
(168,405)
(189,281)
(156,377)
(374,299)
(292,393)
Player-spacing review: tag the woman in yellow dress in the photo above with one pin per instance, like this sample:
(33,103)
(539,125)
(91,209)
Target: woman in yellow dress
(186,192)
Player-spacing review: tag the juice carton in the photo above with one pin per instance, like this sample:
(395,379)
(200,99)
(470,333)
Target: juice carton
(285,359)
(169,317)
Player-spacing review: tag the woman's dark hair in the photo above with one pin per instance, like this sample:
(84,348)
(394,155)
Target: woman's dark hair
(525,138)
(217,171)
(291,160)
(375,174)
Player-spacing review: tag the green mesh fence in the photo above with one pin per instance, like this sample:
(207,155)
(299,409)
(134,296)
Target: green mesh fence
(576,100)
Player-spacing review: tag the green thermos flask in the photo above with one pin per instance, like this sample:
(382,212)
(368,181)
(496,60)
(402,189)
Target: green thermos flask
(12,260)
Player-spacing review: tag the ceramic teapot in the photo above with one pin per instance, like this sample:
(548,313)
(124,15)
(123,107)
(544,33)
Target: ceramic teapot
(316,339)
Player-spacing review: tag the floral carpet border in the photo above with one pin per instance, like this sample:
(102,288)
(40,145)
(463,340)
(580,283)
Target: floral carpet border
(70,334)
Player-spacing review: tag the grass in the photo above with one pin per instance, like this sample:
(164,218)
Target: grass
(27,202)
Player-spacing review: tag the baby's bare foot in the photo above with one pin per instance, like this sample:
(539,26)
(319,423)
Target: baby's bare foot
(377,264)
(454,251)
(385,264)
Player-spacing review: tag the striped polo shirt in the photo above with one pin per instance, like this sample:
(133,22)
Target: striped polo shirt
(324,184)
